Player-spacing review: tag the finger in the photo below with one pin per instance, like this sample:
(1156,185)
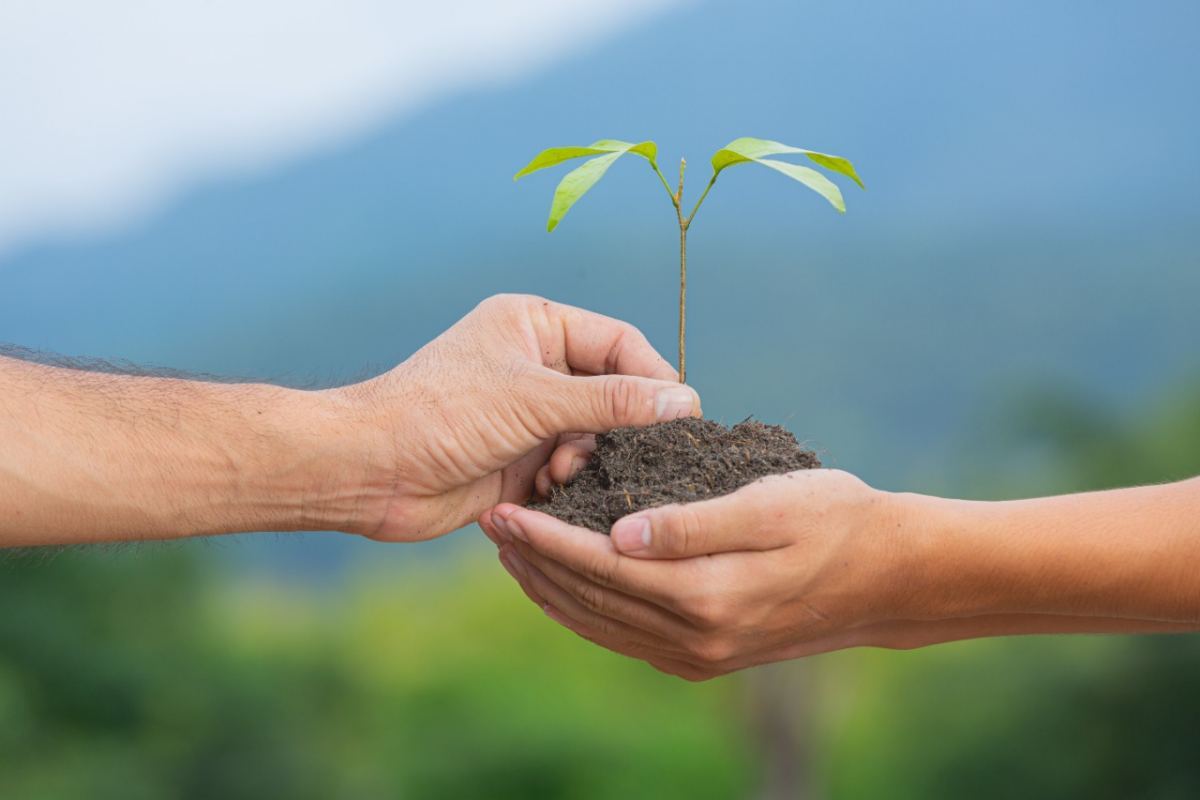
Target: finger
(675,665)
(605,346)
(611,629)
(754,517)
(569,458)
(593,556)
(682,669)
(489,528)
(609,602)
(543,484)
(599,404)
(679,667)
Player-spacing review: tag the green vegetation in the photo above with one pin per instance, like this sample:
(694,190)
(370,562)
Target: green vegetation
(745,150)
(143,674)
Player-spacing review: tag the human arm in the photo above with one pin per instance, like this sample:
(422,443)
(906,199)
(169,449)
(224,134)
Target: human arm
(816,561)
(416,452)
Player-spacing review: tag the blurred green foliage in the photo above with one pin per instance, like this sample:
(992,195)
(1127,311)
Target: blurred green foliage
(152,672)
(141,674)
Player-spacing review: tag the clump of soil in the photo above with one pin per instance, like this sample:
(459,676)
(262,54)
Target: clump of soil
(672,462)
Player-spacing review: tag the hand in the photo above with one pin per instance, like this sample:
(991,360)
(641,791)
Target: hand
(780,568)
(468,421)
(806,563)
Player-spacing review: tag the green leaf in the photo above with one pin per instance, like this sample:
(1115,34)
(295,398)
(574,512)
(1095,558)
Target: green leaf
(647,150)
(579,180)
(553,156)
(810,178)
(575,185)
(747,148)
(837,164)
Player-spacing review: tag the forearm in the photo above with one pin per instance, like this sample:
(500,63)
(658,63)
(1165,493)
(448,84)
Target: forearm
(1128,554)
(88,457)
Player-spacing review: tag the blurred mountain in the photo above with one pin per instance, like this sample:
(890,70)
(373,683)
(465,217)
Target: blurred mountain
(1030,219)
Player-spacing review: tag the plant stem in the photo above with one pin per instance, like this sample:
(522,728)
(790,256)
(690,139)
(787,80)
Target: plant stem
(684,222)
(663,178)
(703,195)
(683,226)
(683,303)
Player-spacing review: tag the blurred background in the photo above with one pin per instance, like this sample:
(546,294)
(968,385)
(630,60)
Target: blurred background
(306,192)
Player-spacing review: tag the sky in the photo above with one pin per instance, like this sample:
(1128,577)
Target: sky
(112,110)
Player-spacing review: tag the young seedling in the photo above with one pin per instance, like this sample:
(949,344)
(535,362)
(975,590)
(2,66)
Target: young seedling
(740,151)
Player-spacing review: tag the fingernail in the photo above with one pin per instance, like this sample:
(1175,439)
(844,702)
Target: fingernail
(673,403)
(631,534)
(513,563)
(515,530)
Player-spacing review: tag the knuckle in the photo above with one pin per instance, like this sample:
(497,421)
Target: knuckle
(721,618)
(606,628)
(494,303)
(711,650)
(709,612)
(508,305)
(627,336)
(601,571)
(695,607)
(687,672)
(685,532)
(590,597)
(507,300)
(622,400)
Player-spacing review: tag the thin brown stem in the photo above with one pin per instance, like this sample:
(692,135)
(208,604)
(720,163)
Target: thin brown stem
(683,303)
(683,227)
(684,222)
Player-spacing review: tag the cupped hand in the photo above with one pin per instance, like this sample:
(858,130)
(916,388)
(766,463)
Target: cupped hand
(468,420)
(786,566)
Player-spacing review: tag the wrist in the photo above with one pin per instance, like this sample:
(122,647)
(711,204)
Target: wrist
(345,458)
(940,569)
(889,556)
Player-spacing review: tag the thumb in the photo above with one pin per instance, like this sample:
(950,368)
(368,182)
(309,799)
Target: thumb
(739,521)
(601,403)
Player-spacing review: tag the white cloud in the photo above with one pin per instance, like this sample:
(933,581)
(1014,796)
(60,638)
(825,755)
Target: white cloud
(109,109)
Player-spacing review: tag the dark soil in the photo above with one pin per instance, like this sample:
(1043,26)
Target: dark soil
(672,462)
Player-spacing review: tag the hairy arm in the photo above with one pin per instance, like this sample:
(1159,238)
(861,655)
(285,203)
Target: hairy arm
(91,456)
(466,422)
